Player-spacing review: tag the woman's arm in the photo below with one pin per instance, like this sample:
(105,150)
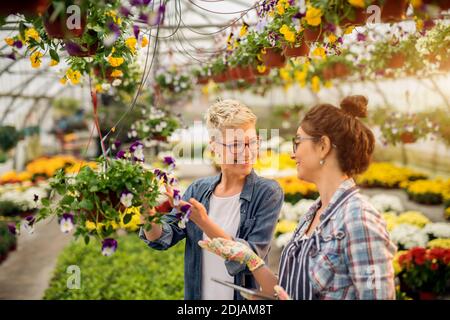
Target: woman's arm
(200,217)
(156,231)
(266,279)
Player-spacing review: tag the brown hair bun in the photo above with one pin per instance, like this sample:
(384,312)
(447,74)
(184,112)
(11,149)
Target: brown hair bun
(355,106)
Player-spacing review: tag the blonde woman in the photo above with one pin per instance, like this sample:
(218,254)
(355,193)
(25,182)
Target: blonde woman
(237,205)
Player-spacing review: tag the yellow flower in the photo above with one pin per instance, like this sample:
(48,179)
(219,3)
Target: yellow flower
(349,30)
(31,33)
(115,62)
(315,84)
(288,34)
(114,16)
(332,38)
(63,80)
(243,30)
(131,44)
(357,3)
(285,226)
(73,75)
(9,41)
(300,77)
(53,63)
(313,16)
(439,243)
(419,24)
(90,225)
(116,73)
(284,74)
(415,218)
(261,68)
(144,42)
(35,59)
(416,3)
(319,52)
(281,5)
(328,84)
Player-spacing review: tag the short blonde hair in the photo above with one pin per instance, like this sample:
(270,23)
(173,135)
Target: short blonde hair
(228,114)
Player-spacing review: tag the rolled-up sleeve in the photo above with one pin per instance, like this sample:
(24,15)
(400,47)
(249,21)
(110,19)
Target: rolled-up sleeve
(369,253)
(171,232)
(261,234)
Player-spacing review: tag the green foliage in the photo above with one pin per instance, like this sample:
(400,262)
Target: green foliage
(95,194)
(7,240)
(133,272)
(9,137)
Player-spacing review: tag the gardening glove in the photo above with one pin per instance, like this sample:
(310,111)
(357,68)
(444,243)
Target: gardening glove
(233,251)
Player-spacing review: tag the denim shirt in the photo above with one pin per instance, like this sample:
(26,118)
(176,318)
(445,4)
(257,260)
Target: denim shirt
(261,200)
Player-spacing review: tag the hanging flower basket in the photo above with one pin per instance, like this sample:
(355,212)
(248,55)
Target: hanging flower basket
(313,34)
(220,78)
(246,73)
(56,27)
(300,51)
(336,70)
(233,73)
(396,61)
(202,80)
(26,7)
(273,58)
(394,10)
(407,137)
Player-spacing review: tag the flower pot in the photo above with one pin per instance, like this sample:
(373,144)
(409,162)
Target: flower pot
(396,61)
(445,64)
(115,202)
(246,73)
(98,72)
(233,73)
(202,80)
(26,7)
(359,18)
(299,51)
(273,58)
(220,78)
(407,137)
(57,28)
(394,10)
(442,4)
(337,70)
(313,34)
(426,295)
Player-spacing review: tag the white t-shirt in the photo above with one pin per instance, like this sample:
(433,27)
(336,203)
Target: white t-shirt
(226,213)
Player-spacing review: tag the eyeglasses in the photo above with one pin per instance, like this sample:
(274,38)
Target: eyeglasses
(238,147)
(298,139)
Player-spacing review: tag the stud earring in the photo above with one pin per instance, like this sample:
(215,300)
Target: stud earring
(322,162)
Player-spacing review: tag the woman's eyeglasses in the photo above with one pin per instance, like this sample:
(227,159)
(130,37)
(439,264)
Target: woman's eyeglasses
(238,147)
(299,139)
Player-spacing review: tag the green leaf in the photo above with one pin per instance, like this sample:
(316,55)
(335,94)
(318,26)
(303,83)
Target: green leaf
(45,202)
(54,55)
(86,239)
(87,204)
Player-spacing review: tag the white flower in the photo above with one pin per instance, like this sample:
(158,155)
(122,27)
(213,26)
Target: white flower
(146,128)
(408,236)
(126,199)
(106,86)
(437,230)
(283,239)
(117,82)
(139,153)
(384,202)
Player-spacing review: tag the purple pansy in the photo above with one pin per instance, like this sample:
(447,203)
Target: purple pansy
(109,246)
(29,224)
(120,154)
(66,222)
(18,44)
(184,215)
(12,228)
(137,149)
(136,31)
(169,161)
(176,197)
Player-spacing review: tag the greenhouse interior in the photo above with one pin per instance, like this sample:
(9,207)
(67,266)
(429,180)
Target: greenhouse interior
(168,149)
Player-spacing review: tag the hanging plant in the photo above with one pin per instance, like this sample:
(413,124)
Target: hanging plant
(9,137)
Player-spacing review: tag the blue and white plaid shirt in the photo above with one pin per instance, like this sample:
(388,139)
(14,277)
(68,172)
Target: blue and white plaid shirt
(350,256)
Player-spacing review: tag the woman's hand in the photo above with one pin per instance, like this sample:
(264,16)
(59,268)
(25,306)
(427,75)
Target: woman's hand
(233,251)
(282,295)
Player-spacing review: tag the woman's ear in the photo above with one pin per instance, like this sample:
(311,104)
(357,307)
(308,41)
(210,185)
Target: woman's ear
(325,146)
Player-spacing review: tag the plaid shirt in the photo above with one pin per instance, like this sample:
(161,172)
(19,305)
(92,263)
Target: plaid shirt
(353,256)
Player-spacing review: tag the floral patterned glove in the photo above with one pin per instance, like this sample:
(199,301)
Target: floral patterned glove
(233,251)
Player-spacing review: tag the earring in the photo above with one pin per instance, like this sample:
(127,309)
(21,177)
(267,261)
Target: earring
(322,162)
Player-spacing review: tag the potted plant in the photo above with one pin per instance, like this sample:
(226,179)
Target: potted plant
(173,82)
(425,272)
(96,202)
(335,66)
(393,10)
(56,19)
